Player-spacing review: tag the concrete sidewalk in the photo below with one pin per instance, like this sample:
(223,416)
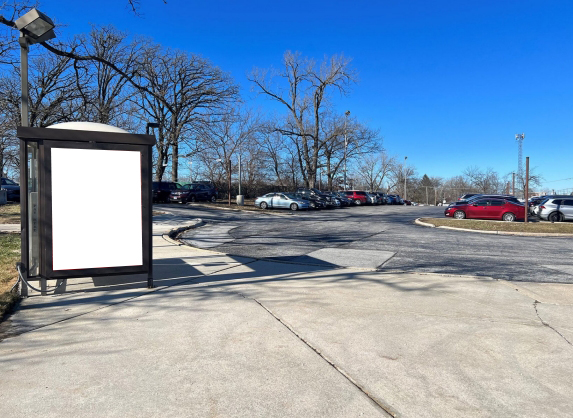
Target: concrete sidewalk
(228,336)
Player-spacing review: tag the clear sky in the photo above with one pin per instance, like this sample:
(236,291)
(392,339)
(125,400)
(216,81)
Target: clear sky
(447,83)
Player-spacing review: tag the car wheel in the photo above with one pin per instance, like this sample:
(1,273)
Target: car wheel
(554,217)
(459,214)
(358,202)
(293,206)
(264,205)
(508,217)
(213,199)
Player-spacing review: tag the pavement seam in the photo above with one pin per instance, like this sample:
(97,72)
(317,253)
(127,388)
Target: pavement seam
(547,325)
(376,400)
(150,291)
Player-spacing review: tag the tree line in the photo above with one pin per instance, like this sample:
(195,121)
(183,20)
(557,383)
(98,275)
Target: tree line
(205,126)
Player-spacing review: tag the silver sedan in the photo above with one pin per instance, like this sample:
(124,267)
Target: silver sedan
(281,201)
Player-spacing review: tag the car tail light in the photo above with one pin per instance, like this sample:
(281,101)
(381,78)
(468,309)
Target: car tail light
(541,207)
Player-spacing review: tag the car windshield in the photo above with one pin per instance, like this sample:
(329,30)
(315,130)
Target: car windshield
(290,196)
(9,182)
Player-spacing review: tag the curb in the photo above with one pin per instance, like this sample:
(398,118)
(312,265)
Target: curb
(518,234)
(171,236)
(259,211)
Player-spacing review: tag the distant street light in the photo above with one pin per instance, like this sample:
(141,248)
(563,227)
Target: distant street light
(405,189)
(347,113)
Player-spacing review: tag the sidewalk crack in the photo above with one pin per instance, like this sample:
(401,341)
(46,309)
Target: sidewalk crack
(547,325)
(376,400)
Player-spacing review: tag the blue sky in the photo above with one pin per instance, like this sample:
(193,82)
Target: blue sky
(447,83)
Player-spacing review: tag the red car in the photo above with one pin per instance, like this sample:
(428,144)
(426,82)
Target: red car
(487,208)
(357,196)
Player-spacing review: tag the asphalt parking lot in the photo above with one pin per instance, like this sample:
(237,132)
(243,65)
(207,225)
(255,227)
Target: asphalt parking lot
(381,237)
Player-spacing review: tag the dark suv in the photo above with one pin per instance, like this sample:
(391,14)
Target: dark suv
(194,192)
(12,189)
(162,189)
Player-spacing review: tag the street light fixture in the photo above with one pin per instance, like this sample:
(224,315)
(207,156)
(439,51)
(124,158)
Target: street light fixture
(347,113)
(34,27)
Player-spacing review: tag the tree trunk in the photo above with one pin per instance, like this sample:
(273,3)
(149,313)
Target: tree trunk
(175,162)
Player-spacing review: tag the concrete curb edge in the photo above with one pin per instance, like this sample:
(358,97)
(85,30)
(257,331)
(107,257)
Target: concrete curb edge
(519,234)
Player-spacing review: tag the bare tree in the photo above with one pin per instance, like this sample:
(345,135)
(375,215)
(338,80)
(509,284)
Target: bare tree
(374,169)
(224,135)
(181,92)
(304,89)
(487,181)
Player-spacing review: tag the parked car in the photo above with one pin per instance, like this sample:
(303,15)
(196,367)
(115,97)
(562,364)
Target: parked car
(374,199)
(382,197)
(395,199)
(194,192)
(162,189)
(556,209)
(12,189)
(281,201)
(359,197)
(344,201)
(487,208)
(313,192)
(467,196)
(315,202)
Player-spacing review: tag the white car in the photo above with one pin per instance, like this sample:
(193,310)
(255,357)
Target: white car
(556,209)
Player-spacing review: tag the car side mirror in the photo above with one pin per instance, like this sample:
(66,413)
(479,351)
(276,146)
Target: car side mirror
(475,204)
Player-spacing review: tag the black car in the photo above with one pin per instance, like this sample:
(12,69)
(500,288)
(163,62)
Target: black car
(314,201)
(344,201)
(162,189)
(12,189)
(317,194)
(194,192)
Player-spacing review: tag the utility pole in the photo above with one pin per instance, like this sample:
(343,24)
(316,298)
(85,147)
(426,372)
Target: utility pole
(229,181)
(519,138)
(405,186)
(347,113)
(526,189)
(513,184)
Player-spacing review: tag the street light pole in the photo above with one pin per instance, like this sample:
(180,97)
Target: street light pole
(405,189)
(24,79)
(35,27)
(347,113)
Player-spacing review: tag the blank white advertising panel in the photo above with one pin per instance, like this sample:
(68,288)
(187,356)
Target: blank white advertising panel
(96,209)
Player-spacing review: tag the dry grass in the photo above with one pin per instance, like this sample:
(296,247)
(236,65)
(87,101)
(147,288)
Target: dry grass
(538,227)
(9,256)
(10,213)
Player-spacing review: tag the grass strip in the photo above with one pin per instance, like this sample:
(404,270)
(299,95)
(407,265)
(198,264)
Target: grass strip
(481,225)
(9,256)
(10,213)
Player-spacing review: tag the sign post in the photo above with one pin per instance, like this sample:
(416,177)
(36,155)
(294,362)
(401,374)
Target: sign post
(82,182)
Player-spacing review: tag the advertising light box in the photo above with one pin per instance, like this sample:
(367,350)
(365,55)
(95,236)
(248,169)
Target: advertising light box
(94,200)
(96,197)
